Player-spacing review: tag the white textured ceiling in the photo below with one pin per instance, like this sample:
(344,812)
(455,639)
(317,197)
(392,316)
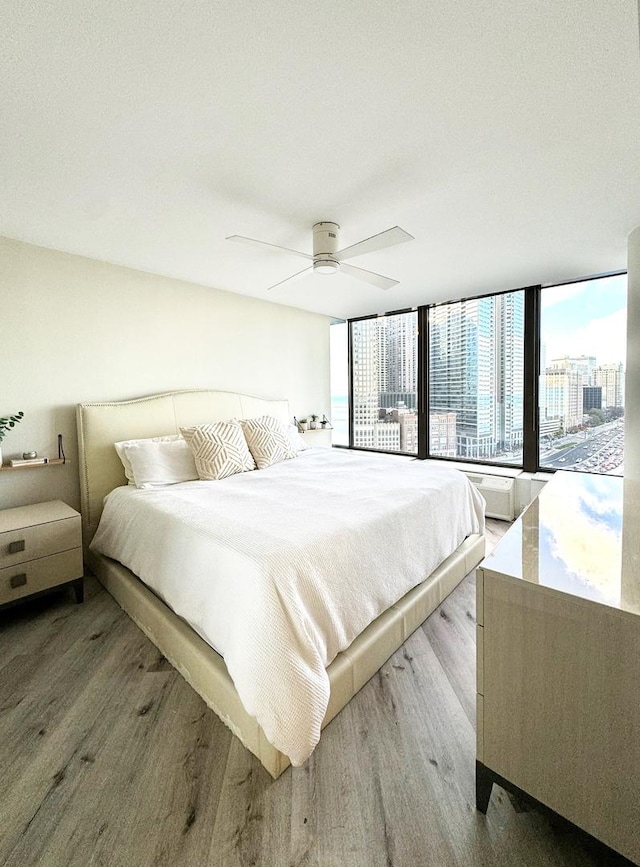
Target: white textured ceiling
(504,135)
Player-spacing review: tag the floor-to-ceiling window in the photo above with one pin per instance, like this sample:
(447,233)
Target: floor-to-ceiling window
(476,366)
(384,378)
(581,386)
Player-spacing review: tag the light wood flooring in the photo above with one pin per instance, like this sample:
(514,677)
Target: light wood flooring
(108,758)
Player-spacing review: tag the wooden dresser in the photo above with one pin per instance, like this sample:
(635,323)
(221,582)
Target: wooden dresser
(558,706)
(40,548)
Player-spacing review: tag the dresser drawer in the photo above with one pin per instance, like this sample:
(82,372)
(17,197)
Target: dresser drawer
(39,540)
(40,574)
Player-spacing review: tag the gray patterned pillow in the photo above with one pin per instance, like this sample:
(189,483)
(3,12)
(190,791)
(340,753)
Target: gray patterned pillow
(268,441)
(219,449)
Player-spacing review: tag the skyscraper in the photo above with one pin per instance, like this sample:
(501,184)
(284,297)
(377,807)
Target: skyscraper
(385,371)
(462,373)
(509,350)
(399,372)
(365,351)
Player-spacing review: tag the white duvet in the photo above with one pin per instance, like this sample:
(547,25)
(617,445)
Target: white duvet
(280,569)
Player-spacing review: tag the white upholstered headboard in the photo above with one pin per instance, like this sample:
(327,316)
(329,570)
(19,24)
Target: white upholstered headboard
(100,425)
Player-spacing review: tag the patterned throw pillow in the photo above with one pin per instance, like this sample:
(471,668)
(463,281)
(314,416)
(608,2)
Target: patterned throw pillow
(268,441)
(219,449)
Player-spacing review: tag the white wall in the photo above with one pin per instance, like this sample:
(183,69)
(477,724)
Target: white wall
(74,330)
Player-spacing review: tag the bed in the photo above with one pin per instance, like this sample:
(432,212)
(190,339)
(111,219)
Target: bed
(351,658)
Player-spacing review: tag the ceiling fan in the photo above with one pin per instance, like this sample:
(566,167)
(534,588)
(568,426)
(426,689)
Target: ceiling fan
(328,259)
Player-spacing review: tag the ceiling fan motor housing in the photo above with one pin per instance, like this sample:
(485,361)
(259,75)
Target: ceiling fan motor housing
(325,246)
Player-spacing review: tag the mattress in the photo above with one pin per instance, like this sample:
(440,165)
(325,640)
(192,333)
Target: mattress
(280,569)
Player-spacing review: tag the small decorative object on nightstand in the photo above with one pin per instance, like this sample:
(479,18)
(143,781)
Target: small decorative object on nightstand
(40,548)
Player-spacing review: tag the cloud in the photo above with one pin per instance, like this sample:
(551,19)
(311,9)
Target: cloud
(588,546)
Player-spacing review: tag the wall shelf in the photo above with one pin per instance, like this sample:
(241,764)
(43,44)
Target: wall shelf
(54,462)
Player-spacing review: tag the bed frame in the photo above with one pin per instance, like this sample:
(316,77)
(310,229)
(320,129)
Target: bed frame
(102,424)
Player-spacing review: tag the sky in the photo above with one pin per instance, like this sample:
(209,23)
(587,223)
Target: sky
(587,318)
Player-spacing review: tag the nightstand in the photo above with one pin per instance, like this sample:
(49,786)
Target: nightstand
(40,548)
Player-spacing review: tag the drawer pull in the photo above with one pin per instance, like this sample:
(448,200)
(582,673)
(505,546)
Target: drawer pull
(18,580)
(16,547)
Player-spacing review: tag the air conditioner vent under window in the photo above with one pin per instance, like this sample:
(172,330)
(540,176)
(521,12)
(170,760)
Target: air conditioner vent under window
(499,493)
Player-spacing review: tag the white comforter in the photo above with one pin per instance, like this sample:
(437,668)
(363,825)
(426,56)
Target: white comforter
(280,569)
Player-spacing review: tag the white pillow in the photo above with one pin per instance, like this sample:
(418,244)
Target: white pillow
(268,441)
(120,447)
(161,463)
(297,441)
(219,449)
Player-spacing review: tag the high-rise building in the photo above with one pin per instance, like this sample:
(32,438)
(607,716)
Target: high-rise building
(385,362)
(365,354)
(563,389)
(400,374)
(591,397)
(611,379)
(509,351)
(476,371)
(462,372)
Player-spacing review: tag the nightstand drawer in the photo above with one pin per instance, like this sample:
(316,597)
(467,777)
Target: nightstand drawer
(22,579)
(39,540)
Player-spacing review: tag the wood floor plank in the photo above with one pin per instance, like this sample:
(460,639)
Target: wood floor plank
(109,759)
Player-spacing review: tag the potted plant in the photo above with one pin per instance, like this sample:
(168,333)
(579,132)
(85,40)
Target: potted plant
(5,426)
(303,423)
(314,421)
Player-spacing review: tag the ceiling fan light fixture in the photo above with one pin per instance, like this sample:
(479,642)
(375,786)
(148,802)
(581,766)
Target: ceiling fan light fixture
(326,266)
(328,257)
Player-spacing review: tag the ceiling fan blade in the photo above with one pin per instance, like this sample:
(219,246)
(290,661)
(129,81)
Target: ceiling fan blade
(253,243)
(388,238)
(368,276)
(293,277)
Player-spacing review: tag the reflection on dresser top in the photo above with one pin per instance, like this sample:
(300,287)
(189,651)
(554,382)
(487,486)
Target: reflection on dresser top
(570,540)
